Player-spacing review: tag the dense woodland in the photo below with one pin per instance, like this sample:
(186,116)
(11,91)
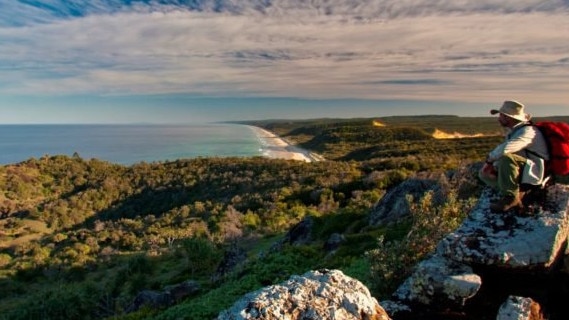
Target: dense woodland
(79,238)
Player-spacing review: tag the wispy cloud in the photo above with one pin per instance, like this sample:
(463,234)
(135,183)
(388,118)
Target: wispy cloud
(387,49)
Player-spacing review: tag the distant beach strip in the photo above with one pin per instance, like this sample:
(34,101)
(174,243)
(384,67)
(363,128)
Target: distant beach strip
(276,147)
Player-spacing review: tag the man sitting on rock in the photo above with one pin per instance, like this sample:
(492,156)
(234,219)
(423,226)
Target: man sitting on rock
(519,160)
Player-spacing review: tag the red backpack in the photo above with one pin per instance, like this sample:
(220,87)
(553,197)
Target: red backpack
(557,137)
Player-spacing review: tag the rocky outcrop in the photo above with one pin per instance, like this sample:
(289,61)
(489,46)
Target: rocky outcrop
(440,280)
(395,204)
(334,242)
(492,256)
(233,256)
(161,299)
(316,295)
(509,240)
(494,266)
(299,234)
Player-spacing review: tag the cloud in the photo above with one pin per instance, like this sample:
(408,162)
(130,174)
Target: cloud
(406,49)
(412,82)
(28,11)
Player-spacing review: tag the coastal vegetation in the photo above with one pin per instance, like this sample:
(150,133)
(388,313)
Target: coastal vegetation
(80,238)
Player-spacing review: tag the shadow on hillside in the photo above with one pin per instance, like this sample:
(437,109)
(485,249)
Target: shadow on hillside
(149,201)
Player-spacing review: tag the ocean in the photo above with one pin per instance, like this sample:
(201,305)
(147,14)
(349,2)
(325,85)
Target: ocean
(128,144)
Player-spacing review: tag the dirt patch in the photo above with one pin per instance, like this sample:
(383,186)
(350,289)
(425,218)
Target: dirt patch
(438,134)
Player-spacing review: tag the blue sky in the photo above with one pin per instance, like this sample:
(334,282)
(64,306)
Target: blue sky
(122,61)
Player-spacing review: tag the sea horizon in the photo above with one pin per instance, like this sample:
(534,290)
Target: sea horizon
(130,143)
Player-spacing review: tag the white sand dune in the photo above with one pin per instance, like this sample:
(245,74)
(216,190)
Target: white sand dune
(276,147)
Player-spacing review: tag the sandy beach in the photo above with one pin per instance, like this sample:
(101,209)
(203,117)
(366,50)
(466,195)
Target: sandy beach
(277,148)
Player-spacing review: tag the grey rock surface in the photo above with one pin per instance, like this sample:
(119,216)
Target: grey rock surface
(161,299)
(316,295)
(500,241)
(395,205)
(510,240)
(519,308)
(438,279)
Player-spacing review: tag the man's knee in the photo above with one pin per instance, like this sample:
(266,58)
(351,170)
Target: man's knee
(511,159)
(510,164)
(488,175)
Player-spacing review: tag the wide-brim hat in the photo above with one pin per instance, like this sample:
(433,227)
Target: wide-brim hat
(512,109)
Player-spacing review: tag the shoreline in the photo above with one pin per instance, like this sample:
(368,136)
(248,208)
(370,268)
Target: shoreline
(275,147)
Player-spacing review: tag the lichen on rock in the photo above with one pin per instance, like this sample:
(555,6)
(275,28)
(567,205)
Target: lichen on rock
(318,295)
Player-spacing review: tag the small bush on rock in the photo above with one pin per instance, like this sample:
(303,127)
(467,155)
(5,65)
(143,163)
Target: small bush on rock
(392,261)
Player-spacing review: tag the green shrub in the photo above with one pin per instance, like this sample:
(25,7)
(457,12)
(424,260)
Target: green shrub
(271,269)
(67,301)
(393,261)
(139,264)
(5,259)
(201,256)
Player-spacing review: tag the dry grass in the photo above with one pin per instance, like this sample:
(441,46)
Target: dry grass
(28,230)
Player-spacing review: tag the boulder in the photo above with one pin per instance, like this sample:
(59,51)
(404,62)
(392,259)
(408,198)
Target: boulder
(398,309)
(151,299)
(519,308)
(180,291)
(492,256)
(439,280)
(395,205)
(299,234)
(161,299)
(316,295)
(232,257)
(334,242)
(510,240)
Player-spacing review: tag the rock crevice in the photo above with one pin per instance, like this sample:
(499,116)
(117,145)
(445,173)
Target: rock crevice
(490,259)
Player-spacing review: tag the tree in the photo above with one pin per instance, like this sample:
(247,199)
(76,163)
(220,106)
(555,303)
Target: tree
(200,254)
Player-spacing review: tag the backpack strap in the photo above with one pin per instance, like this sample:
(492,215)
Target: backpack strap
(529,124)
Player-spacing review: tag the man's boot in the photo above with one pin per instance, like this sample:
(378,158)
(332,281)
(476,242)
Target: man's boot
(507,203)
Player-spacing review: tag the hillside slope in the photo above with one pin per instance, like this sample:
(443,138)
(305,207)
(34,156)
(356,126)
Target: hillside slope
(82,238)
